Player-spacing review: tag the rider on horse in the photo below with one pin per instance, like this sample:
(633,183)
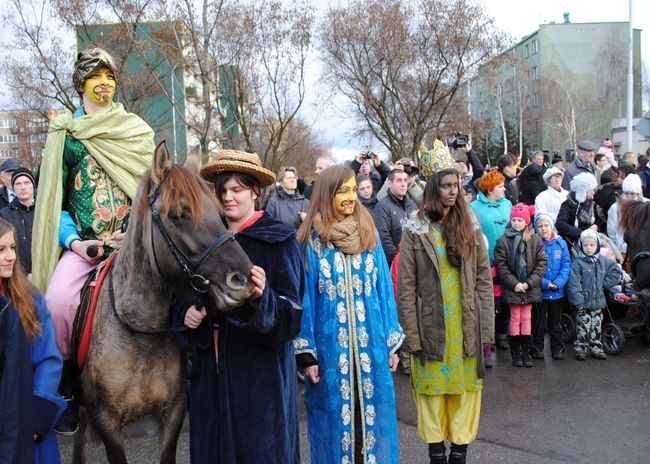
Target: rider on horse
(92,164)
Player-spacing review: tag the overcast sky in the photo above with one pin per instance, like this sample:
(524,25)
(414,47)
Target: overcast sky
(516,17)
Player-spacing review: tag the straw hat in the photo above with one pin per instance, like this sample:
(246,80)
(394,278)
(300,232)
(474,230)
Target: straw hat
(238,161)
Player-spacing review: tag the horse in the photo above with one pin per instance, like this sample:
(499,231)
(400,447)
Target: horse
(175,241)
(635,221)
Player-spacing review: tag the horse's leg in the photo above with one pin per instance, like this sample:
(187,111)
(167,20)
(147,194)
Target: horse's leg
(108,429)
(79,447)
(169,428)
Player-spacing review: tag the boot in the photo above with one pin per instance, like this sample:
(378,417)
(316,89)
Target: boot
(526,347)
(457,454)
(487,355)
(515,351)
(437,453)
(502,342)
(68,423)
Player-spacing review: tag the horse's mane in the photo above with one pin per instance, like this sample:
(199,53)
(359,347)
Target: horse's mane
(180,191)
(634,216)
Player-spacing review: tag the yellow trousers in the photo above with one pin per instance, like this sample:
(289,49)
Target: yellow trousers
(453,418)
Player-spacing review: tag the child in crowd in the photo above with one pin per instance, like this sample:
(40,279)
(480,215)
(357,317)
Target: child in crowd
(521,262)
(590,273)
(547,313)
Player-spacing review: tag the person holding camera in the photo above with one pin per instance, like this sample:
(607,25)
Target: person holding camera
(368,163)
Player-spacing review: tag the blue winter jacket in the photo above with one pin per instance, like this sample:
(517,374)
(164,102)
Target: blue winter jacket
(587,280)
(559,268)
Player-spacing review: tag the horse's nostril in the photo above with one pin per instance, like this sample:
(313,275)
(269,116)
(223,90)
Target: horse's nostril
(236,281)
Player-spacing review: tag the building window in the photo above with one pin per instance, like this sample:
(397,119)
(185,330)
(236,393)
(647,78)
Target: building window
(534,73)
(534,46)
(526,51)
(535,99)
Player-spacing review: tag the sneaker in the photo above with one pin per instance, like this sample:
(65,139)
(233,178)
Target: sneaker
(580,355)
(68,423)
(600,355)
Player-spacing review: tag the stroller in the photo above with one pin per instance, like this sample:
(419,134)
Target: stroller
(620,319)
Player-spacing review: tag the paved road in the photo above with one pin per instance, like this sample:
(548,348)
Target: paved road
(593,412)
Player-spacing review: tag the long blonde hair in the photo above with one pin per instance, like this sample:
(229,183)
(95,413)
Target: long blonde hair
(326,186)
(21,292)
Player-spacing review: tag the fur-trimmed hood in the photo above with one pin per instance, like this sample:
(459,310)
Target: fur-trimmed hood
(419,226)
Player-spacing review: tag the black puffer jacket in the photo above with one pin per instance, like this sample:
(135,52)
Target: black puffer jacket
(22,218)
(390,215)
(574,217)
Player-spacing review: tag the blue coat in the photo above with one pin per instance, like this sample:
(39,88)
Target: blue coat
(44,406)
(16,429)
(350,327)
(588,278)
(245,410)
(48,404)
(559,267)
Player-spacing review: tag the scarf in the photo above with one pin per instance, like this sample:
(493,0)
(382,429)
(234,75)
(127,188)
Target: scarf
(519,257)
(344,234)
(122,144)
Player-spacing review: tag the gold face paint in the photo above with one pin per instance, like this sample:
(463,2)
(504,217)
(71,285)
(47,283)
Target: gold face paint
(99,87)
(345,198)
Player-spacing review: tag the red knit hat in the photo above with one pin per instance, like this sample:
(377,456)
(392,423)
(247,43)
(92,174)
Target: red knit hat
(522,211)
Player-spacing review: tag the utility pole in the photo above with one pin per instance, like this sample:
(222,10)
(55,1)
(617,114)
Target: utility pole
(630,79)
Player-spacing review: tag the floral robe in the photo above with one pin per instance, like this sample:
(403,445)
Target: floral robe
(350,324)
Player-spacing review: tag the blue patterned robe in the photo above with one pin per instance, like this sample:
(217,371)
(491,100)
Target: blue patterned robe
(350,323)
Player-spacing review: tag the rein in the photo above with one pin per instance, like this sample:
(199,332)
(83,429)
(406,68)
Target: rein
(190,267)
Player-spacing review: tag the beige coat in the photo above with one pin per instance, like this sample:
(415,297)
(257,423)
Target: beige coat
(420,299)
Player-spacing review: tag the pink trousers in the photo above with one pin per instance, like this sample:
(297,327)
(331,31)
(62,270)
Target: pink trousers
(520,319)
(63,295)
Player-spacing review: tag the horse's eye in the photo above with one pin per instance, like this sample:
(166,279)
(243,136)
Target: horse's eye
(179,217)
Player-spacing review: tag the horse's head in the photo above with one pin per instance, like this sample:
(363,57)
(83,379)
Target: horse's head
(184,238)
(635,220)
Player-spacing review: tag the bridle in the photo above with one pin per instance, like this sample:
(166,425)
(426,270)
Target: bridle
(189,267)
(636,258)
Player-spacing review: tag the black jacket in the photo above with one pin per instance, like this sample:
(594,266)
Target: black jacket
(573,218)
(390,214)
(22,218)
(531,183)
(4,197)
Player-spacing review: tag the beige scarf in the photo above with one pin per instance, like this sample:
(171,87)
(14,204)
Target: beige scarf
(344,234)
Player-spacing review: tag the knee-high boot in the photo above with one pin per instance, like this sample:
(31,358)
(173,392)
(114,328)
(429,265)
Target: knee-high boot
(515,351)
(457,454)
(437,453)
(526,346)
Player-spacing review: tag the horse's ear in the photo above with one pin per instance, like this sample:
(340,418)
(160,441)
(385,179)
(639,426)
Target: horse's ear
(162,163)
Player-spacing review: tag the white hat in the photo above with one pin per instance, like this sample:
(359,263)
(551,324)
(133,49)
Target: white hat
(581,184)
(632,184)
(550,172)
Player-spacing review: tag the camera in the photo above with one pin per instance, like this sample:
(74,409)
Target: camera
(367,155)
(411,170)
(459,140)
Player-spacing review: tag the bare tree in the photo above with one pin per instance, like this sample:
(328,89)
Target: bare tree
(401,63)
(258,48)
